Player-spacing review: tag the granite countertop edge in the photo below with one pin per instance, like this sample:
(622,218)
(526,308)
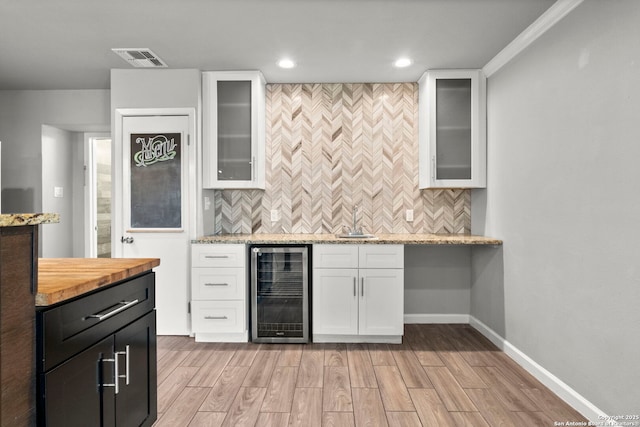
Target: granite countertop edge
(21,219)
(403,239)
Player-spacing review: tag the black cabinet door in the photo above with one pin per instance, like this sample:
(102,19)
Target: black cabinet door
(136,401)
(74,395)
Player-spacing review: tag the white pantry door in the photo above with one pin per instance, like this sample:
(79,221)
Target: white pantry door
(157,174)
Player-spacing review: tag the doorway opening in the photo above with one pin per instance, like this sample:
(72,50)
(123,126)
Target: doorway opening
(98,195)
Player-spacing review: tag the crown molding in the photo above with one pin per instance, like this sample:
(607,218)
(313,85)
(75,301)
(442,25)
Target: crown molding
(548,19)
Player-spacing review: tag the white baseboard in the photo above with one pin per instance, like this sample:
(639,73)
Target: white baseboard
(436,318)
(566,393)
(221,337)
(373,339)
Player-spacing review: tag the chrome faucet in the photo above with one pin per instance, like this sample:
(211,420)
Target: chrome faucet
(354,231)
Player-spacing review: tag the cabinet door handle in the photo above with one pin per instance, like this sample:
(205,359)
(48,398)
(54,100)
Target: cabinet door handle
(216,284)
(216,256)
(253,168)
(116,373)
(362,286)
(354,286)
(215,317)
(115,382)
(124,306)
(433,168)
(126,361)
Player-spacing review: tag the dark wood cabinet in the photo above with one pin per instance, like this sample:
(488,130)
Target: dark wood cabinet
(72,397)
(135,404)
(96,358)
(18,281)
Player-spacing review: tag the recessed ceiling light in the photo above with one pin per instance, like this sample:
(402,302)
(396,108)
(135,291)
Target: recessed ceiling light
(286,63)
(402,62)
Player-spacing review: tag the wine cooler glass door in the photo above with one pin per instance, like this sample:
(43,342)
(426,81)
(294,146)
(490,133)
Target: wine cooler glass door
(279,294)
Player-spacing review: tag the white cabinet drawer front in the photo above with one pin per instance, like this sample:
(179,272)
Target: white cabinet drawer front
(218,283)
(381,256)
(218,316)
(335,256)
(218,255)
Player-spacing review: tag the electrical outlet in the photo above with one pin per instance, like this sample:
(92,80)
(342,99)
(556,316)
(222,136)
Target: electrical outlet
(207,203)
(58,192)
(409,215)
(275,215)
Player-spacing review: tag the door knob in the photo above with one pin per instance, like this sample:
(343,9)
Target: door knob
(126,239)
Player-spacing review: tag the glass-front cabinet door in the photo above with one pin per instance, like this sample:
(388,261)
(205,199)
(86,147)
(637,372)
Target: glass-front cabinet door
(452,129)
(233,129)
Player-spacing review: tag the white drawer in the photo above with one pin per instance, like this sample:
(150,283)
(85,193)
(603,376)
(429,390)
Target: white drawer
(335,256)
(218,255)
(218,283)
(381,256)
(218,316)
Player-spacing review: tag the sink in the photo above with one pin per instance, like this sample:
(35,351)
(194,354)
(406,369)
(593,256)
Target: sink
(356,236)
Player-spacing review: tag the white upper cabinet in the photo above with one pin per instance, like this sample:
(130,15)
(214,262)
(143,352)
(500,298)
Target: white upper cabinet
(452,129)
(233,129)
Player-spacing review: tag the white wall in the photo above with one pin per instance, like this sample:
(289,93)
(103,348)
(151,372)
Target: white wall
(62,166)
(564,195)
(57,150)
(437,283)
(78,194)
(22,114)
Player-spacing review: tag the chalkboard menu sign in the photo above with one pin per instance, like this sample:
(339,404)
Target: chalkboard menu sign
(156,180)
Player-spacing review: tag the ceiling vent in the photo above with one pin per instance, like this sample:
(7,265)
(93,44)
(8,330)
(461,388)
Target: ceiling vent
(140,57)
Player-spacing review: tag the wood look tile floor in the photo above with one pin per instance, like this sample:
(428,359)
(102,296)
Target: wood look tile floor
(442,375)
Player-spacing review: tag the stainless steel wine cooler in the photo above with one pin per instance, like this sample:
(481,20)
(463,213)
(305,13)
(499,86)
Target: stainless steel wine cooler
(280,294)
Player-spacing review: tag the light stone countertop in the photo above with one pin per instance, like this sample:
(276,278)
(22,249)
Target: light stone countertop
(17,220)
(400,239)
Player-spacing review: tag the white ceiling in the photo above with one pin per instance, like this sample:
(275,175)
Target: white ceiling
(66,44)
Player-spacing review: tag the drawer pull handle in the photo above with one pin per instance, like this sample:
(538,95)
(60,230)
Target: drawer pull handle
(216,284)
(124,306)
(215,317)
(216,256)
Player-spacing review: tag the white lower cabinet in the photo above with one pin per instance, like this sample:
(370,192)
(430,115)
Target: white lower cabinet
(335,302)
(358,293)
(381,308)
(219,292)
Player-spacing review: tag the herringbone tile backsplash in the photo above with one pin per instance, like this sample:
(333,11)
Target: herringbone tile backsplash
(333,146)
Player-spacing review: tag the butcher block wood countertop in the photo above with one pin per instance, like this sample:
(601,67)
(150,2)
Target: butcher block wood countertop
(60,279)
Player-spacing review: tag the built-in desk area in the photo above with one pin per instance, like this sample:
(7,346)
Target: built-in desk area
(427,279)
